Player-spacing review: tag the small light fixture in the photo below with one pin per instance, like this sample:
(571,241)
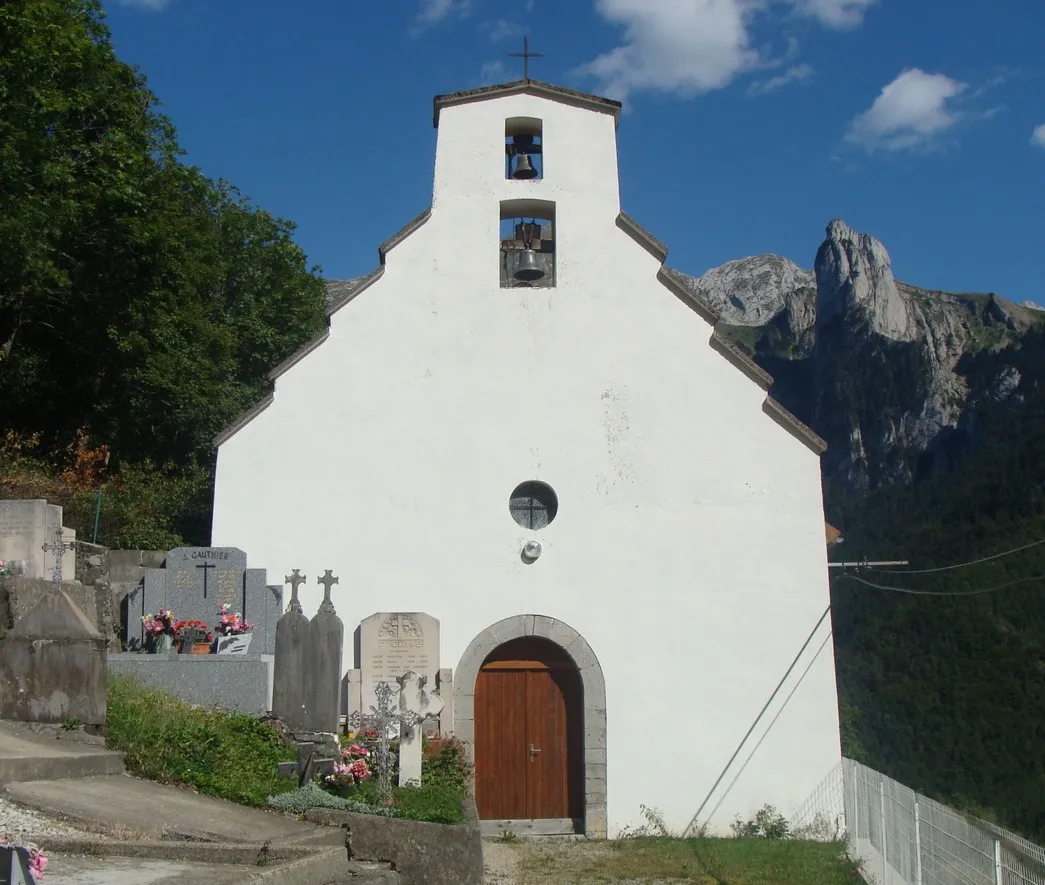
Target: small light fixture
(531,551)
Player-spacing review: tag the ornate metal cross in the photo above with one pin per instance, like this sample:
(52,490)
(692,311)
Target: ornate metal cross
(294,579)
(328,580)
(526,55)
(382,718)
(59,547)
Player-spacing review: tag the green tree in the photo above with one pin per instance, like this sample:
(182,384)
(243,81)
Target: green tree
(139,300)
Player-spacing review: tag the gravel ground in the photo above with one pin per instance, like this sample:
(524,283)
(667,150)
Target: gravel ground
(19,825)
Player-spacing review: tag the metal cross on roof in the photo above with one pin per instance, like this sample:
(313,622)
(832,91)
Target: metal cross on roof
(526,55)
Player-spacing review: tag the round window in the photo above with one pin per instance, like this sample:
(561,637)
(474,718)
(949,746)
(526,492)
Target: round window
(533,505)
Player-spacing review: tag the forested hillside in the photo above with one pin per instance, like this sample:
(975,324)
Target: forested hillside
(141,303)
(950,689)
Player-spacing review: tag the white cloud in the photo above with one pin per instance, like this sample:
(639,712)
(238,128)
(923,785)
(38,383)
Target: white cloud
(502,29)
(434,11)
(838,14)
(909,112)
(695,46)
(1037,137)
(492,72)
(795,74)
(146,4)
(690,46)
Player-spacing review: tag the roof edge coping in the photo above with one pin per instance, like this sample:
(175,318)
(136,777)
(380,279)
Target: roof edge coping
(533,87)
(642,236)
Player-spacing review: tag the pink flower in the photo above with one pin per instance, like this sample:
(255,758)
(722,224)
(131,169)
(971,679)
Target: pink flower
(356,750)
(359,770)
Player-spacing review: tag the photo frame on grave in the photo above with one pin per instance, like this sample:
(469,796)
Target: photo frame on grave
(14,866)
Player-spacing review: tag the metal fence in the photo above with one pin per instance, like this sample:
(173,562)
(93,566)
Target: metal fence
(903,838)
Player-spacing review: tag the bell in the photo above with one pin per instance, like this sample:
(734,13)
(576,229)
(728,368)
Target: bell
(523,167)
(527,268)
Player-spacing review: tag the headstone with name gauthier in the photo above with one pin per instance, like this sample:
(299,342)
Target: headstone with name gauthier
(195,582)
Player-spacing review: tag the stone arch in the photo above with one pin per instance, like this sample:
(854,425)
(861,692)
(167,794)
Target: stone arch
(594,689)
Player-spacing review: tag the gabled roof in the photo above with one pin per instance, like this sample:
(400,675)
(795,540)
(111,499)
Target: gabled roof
(528,87)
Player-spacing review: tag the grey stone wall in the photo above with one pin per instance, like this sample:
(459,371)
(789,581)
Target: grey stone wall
(236,683)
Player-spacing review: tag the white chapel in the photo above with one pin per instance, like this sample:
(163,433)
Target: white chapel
(523,426)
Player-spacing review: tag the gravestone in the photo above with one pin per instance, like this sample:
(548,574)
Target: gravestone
(289,681)
(326,641)
(389,644)
(25,528)
(195,582)
(415,706)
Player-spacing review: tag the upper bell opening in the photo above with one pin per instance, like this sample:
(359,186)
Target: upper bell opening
(523,149)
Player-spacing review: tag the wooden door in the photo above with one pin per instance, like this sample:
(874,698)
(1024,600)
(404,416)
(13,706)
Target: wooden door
(528,734)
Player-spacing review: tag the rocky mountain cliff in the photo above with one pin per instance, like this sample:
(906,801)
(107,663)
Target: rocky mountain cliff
(873,364)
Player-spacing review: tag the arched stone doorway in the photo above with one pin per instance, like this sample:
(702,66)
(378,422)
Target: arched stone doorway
(529,692)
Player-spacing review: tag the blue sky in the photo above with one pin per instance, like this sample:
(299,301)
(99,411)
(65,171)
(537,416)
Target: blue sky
(749,124)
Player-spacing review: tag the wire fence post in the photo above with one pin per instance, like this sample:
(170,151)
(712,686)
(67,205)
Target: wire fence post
(997,862)
(881,803)
(917,845)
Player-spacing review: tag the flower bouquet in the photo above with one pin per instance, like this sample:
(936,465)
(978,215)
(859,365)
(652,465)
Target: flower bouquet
(159,631)
(203,636)
(352,770)
(234,631)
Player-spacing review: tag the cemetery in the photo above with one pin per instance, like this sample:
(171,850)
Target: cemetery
(155,649)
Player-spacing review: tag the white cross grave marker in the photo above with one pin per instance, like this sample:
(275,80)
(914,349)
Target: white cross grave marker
(415,705)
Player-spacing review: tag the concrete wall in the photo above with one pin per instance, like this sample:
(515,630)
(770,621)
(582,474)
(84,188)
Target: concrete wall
(688,549)
(237,683)
(53,665)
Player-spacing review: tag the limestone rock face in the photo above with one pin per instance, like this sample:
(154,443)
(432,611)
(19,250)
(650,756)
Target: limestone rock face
(854,274)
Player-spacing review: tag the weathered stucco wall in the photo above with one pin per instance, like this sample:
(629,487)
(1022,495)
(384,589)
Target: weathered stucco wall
(688,549)
(53,665)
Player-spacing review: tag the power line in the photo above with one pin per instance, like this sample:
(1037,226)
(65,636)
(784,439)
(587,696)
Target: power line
(758,718)
(946,568)
(769,727)
(979,592)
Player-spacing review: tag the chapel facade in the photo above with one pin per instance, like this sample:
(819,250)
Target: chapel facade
(522,424)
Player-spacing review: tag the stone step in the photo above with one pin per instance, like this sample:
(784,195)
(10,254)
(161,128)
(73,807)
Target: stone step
(25,756)
(151,810)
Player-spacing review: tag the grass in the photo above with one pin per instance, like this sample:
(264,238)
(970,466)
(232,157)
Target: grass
(705,861)
(221,754)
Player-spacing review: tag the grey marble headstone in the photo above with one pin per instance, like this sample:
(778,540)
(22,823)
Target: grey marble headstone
(196,581)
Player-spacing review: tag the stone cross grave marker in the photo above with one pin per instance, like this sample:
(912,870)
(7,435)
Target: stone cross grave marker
(196,582)
(420,705)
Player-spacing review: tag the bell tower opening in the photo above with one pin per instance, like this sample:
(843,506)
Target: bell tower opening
(523,150)
(527,244)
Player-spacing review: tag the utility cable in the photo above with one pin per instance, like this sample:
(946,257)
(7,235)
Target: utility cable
(758,718)
(947,568)
(769,727)
(978,592)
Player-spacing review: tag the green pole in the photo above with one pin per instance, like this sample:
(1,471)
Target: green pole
(97,516)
